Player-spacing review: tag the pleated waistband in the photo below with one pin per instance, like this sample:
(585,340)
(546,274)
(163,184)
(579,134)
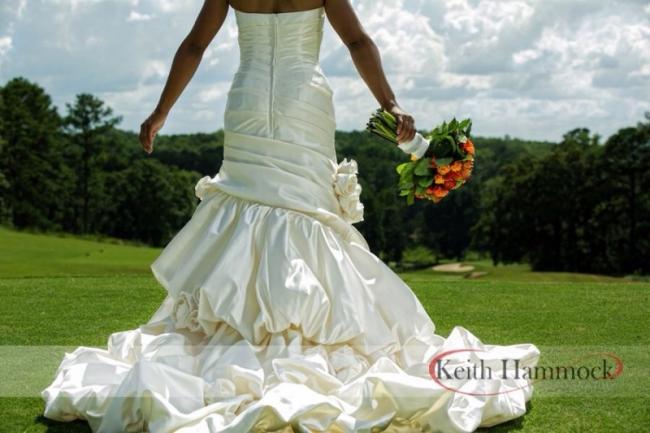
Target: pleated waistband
(278,174)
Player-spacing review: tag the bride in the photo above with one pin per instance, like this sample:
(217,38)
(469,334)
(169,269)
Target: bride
(278,317)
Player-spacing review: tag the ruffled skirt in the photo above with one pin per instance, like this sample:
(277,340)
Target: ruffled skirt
(274,320)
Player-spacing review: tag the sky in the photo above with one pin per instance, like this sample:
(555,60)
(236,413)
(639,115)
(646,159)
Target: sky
(533,69)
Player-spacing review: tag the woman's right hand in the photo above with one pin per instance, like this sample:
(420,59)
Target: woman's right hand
(405,124)
(149,128)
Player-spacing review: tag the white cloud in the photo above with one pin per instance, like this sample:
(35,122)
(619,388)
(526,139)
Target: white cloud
(170,5)
(5,45)
(153,70)
(526,56)
(529,68)
(135,16)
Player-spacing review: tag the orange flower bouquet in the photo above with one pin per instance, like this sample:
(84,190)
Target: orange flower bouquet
(443,162)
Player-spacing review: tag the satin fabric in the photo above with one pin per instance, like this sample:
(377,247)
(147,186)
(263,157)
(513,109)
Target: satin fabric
(277,314)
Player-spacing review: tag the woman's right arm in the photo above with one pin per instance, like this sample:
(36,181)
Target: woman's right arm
(186,61)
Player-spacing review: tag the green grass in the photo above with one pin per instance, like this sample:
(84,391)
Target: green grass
(37,255)
(57,293)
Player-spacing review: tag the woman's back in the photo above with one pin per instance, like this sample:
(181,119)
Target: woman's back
(275,6)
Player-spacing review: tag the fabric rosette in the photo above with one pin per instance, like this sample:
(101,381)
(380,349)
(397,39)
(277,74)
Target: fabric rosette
(439,163)
(185,312)
(203,186)
(348,190)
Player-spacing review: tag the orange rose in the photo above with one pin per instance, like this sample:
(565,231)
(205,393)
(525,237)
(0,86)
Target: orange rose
(443,169)
(430,190)
(456,166)
(440,192)
(439,180)
(467,173)
(469,147)
(450,184)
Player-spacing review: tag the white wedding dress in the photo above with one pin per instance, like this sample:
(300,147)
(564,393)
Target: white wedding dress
(278,316)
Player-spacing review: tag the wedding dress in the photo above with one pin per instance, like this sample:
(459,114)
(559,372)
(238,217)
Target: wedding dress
(277,314)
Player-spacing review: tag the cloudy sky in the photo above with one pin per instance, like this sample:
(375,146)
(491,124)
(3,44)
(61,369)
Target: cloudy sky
(527,68)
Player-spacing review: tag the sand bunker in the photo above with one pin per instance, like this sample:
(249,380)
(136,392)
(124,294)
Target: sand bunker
(453,267)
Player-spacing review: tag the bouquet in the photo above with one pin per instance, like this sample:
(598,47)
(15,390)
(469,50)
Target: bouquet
(441,162)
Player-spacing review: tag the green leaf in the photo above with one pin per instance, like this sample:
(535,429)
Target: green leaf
(422,166)
(451,141)
(401,167)
(407,174)
(444,147)
(410,168)
(425,182)
(444,161)
(410,199)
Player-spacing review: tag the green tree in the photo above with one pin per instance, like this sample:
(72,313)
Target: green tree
(5,211)
(150,202)
(86,124)
(538,208)
(35,175)
(456,214)
(200,152)
(626,207)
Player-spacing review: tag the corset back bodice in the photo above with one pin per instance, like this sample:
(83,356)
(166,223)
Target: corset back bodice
(279,121)
(279,90)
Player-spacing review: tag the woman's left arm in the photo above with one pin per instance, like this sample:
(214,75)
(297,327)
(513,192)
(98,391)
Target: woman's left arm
(367,60)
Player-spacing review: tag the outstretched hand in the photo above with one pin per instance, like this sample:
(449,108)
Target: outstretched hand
(150,128)
(405,124)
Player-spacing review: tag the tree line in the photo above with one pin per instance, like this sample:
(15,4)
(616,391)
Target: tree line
(576,205)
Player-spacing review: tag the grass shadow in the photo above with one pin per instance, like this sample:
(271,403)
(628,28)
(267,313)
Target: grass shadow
(76,426)
(513,425)
(80,426)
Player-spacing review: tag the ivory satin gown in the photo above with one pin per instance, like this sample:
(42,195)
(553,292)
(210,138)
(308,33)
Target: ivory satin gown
(277,314)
